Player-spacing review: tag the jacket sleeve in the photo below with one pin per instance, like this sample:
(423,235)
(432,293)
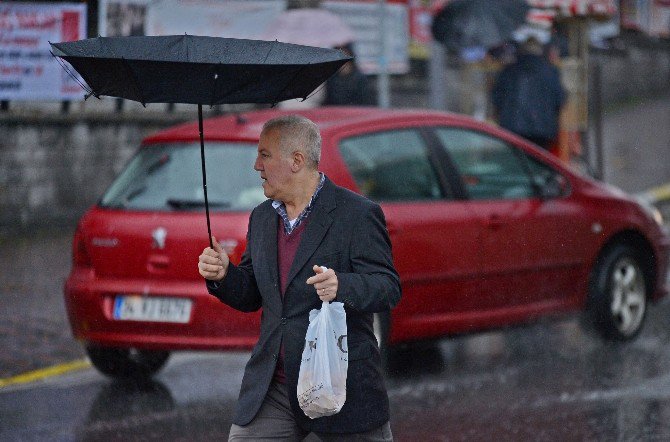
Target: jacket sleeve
(238,288)
(373,285)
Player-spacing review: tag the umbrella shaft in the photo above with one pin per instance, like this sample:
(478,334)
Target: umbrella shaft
(204,174)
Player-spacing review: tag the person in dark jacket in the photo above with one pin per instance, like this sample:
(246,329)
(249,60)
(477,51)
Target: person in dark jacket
(349,86)
(307,222)
(528,96)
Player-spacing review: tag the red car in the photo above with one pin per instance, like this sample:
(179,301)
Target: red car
(487,231)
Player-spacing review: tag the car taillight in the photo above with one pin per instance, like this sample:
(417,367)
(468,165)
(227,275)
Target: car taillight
(80,256)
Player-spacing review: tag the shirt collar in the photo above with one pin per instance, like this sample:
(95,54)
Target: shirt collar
(280,207)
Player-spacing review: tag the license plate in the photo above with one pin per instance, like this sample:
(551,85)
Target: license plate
(152,309)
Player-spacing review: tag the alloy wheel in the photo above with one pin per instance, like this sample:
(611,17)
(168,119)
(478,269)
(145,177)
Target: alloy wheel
(628,295)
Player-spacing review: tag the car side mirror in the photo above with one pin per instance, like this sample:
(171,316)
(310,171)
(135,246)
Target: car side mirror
(553,186)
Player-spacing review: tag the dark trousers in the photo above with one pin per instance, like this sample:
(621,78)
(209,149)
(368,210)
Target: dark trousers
(275,422)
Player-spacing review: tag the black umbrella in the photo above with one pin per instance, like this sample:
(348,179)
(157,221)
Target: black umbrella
(485,23)
(199,70)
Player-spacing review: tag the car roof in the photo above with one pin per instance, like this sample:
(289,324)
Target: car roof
(247,126)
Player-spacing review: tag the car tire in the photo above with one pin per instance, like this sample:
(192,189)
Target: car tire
(382,328)
(618,293)
(126,363)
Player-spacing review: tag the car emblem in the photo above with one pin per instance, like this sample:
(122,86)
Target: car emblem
(159,238)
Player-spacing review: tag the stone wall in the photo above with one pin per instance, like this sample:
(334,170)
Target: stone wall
(53,167)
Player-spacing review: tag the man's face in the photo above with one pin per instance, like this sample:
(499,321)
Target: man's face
(275,169)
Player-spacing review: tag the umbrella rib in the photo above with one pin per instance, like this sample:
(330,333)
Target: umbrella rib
(135,82)
(89,91)
(275,100)
(251,80)
(272,46)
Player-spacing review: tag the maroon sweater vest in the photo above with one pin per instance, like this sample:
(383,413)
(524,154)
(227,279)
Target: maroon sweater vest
(287,246)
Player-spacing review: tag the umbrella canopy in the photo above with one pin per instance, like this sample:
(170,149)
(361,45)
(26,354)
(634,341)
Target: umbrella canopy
(310,26)
(478,23)
(199,70)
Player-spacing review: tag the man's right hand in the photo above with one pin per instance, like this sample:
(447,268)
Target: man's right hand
(213,263)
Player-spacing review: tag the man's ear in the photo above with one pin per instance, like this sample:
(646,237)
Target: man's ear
(298,161)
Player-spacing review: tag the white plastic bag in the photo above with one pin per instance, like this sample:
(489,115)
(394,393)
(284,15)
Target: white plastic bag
(322,381)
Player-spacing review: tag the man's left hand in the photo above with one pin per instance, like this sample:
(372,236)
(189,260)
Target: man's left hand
(325,283)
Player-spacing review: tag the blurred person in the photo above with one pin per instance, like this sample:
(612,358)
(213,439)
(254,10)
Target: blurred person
(349,86)
(528,95)
(307,222)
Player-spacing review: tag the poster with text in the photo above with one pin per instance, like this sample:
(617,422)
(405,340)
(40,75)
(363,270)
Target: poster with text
(215,18)
(364,18)
(28,71)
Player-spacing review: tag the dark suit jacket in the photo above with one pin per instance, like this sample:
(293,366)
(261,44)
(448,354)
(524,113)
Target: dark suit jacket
(346,233)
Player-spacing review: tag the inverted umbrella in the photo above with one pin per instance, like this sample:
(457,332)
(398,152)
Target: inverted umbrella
(199,70)
(468,23)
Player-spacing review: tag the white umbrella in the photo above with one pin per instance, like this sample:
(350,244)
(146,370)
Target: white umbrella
(309,27)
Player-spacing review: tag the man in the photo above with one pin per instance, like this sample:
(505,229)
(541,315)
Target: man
(349,86)
(528,96)
(307,222)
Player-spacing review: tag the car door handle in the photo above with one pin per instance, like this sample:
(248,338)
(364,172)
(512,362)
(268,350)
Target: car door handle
(495,222)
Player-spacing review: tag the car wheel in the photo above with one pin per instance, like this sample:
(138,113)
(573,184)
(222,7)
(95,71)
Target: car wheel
(126,362)
(618,294)
(382,328)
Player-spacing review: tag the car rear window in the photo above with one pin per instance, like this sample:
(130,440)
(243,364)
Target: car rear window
(169,177)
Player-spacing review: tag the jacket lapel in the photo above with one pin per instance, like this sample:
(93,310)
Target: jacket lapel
(269,243)
(319,223)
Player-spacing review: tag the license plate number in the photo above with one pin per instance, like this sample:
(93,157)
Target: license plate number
(152,309)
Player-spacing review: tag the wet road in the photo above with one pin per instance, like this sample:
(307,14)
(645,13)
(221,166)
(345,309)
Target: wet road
(552,380)
(34,332)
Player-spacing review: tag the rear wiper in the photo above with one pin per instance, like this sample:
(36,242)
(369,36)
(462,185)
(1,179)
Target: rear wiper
(178,203)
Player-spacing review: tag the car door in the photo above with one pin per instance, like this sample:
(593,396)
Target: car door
(531,250)
(436,246)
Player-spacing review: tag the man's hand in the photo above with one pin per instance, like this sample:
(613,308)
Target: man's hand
(213,263)
(325,283)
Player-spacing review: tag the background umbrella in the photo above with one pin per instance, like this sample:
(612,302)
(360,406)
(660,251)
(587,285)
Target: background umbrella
(310,26)
(199,70)
(485,23)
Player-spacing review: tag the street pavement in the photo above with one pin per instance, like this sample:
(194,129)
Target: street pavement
(549,381)
(34,332)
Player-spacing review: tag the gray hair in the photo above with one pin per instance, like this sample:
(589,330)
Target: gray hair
(297,133)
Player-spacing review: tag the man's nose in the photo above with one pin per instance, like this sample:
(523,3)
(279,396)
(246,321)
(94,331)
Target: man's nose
(257,165)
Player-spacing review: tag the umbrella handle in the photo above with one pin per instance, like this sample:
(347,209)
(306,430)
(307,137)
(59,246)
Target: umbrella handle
(204,174)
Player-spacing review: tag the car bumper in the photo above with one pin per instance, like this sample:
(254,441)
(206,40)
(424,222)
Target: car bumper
(212,325)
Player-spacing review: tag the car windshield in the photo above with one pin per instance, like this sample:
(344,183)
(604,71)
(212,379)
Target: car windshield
(169,177)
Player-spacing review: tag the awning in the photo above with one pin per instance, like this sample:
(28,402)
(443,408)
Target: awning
(544,12)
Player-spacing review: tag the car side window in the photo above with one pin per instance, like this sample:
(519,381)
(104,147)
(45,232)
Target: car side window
(489,167)
(391,166)
(545,178)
